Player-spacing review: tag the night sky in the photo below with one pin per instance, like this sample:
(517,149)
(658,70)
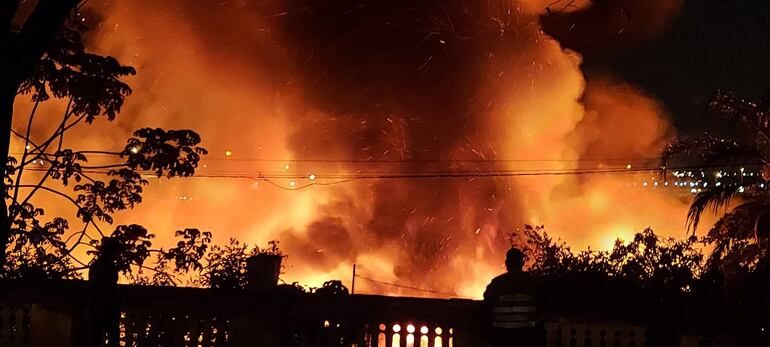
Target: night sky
(710,45)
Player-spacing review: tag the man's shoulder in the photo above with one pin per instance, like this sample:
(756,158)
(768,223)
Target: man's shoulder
(501,279)
(513,278)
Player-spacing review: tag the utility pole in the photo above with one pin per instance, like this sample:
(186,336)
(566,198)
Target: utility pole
(353,282)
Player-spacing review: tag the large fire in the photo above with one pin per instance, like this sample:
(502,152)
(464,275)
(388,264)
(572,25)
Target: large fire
(303,90)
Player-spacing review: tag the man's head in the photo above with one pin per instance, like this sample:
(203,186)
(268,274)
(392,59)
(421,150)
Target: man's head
(514,260)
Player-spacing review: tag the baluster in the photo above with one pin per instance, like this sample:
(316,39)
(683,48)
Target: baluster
(389,335)
(125,328)
(199,324)
(621,339)
(215,332)
(317,335)
(602,340)
(566,334)
(580,334)
(358,332)
(302,333)
(16,325)
(431,336)
(551,330)
(206,326)
(25,325)
(609,337)
(595,335)
(158,324)
(4,331)
(178,330)
(367,338)
(381,336)
(328,334)
(639,336)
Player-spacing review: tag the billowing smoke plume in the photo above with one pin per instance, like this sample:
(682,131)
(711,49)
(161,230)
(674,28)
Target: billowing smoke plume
(378,87)
(608,26)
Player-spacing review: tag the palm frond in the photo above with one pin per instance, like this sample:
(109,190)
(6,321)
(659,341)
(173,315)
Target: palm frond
(727,105)
(709,150)
(715,197)
(752,117)
(757,212)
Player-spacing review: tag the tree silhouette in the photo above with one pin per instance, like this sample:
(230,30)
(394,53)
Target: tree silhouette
(22,48)
(747,148)
(92,88)
(647,260)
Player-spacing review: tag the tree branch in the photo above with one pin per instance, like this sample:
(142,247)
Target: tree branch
(108,166)
(59,132)
(26,144)
(36,35)
(67,197)
(168,275)
(8,9)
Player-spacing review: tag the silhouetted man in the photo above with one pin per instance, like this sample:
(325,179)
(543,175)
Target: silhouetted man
(511,297)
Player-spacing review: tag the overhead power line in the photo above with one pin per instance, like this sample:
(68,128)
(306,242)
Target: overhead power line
(403,161)
(401,286)
(326,179)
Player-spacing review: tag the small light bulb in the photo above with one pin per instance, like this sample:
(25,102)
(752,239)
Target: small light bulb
(311,177)
(228,153)
(292,183)
(286,167)
(628,166)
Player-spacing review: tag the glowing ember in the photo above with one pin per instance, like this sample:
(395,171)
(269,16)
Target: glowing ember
(432,101)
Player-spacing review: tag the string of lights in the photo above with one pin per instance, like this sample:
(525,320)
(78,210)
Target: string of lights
(411,175)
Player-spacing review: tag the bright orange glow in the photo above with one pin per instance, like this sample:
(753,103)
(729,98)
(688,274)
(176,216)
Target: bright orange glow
(237,84)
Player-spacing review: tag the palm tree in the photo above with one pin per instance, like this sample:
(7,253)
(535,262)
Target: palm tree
(744,232)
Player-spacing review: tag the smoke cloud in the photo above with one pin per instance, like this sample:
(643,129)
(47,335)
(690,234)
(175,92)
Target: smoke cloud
(386,87)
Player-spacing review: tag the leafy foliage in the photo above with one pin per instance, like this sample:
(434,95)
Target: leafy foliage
(92,85)
(92,81)
(190,250)
(225,266)
(171,153)
(661,281)
(648,260)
